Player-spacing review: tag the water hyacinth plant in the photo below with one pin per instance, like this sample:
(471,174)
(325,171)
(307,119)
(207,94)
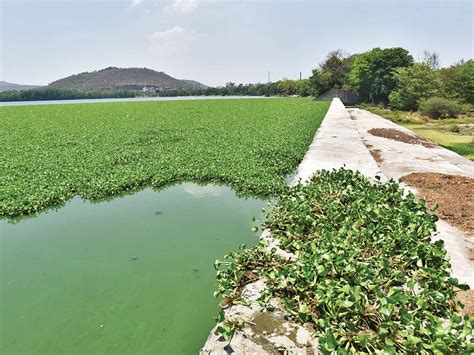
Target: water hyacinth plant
(102,149)
(367,275)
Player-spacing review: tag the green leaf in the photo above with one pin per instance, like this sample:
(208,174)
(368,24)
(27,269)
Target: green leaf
(363,341)
(330,341)
(389,350)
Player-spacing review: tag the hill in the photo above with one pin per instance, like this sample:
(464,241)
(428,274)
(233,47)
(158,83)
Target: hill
(123,78)
(6,86)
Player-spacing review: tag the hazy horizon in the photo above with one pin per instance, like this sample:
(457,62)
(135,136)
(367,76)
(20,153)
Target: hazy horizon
(215,42)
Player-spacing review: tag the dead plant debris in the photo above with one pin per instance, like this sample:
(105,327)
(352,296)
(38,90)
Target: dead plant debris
(400,136)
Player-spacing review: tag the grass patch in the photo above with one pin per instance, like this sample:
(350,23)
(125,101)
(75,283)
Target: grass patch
(367,275)
(463,144)
(51,153)
(394,115)
(466,150)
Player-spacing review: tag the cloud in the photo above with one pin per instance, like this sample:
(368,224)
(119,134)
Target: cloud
(135,3)
(182,6)
(173,41)
(173,32)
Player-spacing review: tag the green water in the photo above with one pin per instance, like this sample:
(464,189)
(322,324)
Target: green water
(70,285)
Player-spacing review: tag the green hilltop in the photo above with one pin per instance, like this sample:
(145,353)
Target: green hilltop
(123,78)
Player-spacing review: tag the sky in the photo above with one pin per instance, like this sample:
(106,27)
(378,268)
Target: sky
(215,42)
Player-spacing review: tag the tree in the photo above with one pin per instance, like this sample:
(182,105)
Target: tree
(332,73)
(286,87)
(458,81)
(414,84)
(303,87)
(372,74)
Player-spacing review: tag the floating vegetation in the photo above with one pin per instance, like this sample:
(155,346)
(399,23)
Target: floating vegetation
(367,276)
(51,153)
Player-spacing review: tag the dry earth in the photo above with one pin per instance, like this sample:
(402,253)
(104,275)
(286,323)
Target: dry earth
(400,136)
(455,198)
(453,194)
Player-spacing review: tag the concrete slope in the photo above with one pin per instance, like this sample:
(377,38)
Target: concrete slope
(400,159)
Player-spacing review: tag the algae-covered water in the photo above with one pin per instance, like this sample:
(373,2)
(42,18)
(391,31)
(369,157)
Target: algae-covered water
(129,276)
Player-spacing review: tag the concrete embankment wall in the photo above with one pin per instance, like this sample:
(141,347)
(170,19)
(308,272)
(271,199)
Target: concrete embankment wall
(339,142)
(342,141)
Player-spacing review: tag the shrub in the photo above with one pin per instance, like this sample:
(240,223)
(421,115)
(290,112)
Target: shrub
(455,128)
(438,107)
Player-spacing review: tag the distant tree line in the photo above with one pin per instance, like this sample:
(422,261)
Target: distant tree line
(284,87)
(41,94)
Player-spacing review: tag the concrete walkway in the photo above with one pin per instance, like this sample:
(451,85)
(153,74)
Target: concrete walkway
(337,144)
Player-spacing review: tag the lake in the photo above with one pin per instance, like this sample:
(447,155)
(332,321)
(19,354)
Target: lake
(133,275)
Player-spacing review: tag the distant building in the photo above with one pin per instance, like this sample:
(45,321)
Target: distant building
(138,87)
(150,89)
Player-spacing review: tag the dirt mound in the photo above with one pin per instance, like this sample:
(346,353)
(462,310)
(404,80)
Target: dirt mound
(454,195)
(400,136)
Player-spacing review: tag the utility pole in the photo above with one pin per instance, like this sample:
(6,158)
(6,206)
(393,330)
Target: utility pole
(269,76)
(300,75)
